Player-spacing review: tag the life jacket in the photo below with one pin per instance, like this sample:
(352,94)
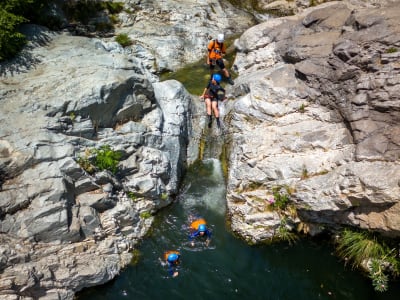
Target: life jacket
(216,49)
(195,224)
(215,91)
(167,253)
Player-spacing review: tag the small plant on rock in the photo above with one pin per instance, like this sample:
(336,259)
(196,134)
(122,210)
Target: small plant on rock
(123,39)
(132,196)
(145,215)
(391,50)
(106,158)
(284,232)
(85,164)
(280,199)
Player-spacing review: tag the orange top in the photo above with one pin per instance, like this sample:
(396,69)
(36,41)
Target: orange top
(195,224)
(215,49)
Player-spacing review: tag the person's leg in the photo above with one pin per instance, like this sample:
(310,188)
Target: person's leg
(216,112)
(212,67)
(215,108)
(208,109)
(221,65)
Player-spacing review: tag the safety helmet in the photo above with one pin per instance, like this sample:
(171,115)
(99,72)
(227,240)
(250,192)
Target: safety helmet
(202,228)
(173,257)
(220,38)
(217,78)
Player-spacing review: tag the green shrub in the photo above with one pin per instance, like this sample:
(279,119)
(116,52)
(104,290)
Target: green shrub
(106,158)
(123,39)
(11,41)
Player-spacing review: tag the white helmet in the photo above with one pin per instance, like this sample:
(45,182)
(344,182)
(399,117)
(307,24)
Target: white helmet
(220,38)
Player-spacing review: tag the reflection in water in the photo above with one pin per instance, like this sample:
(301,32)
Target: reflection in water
(230,269)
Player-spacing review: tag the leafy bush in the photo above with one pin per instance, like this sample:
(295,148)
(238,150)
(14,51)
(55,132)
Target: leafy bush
(11,41)
(12,14)
(123,39)
(106,158)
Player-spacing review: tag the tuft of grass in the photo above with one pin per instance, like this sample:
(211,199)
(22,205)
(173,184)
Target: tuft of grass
(285,234)
(363,247)
(304,173)
(123,39)
(391,50)
(358,247)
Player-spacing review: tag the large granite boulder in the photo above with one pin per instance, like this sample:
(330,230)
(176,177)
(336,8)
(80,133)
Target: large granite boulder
(64,223)
(316,114)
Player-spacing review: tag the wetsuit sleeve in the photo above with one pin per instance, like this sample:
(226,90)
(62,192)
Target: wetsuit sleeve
(193,235)
(171,269)
(208,233)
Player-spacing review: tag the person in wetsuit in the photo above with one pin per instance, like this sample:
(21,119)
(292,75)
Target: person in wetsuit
(199,229)
(213,93)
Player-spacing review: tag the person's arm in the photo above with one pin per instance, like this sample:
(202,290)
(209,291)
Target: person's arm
(204,92)
(192,236)
(172,270)
(223,50)
(209,49)
(208,239)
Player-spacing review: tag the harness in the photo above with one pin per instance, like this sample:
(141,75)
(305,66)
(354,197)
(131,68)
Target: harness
(215,50)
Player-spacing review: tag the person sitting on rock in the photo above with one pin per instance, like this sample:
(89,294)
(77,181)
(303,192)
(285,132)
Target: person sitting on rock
(212,94)
(198,228)
(172,259)
(216,51)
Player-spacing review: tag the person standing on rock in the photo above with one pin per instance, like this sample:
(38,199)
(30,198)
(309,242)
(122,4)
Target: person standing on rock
(213,93)
(216,51)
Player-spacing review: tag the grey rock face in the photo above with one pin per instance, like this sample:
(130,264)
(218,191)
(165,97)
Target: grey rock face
(316,113)
(167,35)
(65,225)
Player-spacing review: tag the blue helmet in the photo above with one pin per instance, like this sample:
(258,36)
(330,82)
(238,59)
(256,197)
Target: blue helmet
(217,78)
(202,228)
(173,257)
